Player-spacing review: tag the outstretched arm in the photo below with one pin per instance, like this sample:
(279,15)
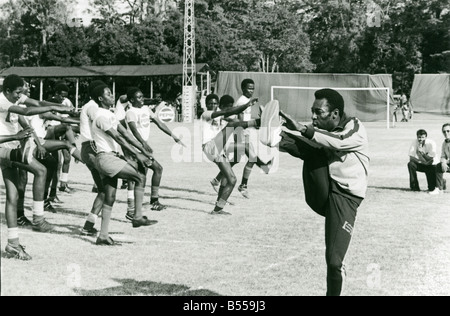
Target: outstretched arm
(25,133)
(118,137)
(163,127)
(132,141)
(34,110)
(138,136)
(53,117)
(234,110)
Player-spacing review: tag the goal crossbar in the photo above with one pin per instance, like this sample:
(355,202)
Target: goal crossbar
(388,98)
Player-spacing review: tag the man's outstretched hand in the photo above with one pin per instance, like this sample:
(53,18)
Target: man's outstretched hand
(291,123)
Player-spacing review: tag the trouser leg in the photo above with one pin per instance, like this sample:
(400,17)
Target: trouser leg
(316,178)
(413,181)
(339,223)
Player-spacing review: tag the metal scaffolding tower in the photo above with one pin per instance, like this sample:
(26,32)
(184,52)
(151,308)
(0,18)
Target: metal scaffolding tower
(189,71)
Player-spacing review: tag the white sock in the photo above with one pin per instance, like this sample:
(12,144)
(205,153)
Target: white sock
(92,218)
(64,177)
(72,150)
(13,233)
(130,195)
(38,208)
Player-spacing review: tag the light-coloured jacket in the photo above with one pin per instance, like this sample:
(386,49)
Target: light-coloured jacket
(348,149)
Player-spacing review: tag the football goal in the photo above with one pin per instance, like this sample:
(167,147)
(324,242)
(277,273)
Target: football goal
(368,104)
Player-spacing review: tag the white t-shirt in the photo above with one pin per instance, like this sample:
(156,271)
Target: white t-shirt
(211,127)
(142,117)
(247,114)
(104,120)
(429,148)
(38,124)
(9,122)
(119,111)
(87,115)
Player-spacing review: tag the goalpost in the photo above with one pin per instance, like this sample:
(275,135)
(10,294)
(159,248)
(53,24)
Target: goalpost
(388,98)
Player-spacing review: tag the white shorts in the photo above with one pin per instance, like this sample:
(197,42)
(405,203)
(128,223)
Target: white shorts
(213,153)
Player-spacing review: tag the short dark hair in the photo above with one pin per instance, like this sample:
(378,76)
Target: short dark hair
(246,82)
(93,85)
(421,132)
(98,92)
(225,100)
(12,82)
(212,97)
(334,98)
(131,91)
(61,87)
(445,125)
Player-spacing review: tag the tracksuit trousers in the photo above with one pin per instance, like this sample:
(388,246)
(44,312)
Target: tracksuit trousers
(327,199)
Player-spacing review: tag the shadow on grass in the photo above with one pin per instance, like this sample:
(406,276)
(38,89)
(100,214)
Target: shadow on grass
(188,191)
(390,189)
(131,287)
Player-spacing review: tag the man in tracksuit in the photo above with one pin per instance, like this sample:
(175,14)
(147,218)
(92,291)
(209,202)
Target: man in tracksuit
(335,153)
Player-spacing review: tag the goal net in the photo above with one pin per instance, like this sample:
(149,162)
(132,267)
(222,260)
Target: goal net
(367,104)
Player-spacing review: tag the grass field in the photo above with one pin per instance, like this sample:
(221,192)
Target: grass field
(272,245)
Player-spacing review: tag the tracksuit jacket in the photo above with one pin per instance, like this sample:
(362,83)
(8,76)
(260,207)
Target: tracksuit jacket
(348,154)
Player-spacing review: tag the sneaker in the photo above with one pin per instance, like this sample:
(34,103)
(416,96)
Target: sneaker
(105,242)
(156,206)
(89,232)
(221,212)
(55,199)
(269,133)
(215,184)
(43,227)
(435,192)
(17,252)
(130,216)
(48,207)
(65,189)
(24,222)
(144,221)
(244,191)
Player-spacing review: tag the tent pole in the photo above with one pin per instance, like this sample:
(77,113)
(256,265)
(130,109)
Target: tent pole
(77,86)
(41,89)
(151,88)
(201,82)
(388,109)
(114,88)
(208,83)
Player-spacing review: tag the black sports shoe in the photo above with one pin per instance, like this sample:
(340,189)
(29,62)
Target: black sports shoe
(89,230)
(43,227)
(130,216)
(156,206)
(17,252)
(105,242)
(48,207)
(65,188)
(144,221)
(24,222)
(54,199)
